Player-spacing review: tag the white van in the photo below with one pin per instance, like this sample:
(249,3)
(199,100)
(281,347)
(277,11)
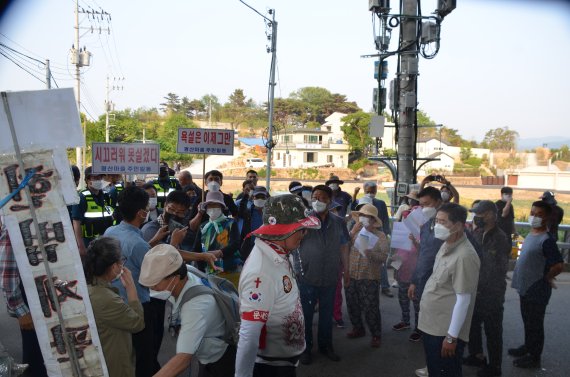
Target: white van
(254,163)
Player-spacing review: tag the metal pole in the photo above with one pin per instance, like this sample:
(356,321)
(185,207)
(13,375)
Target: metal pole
(407,94)
(78,152)
(68,344)
(271,98)
(107,105)
(48,75)
(203,175)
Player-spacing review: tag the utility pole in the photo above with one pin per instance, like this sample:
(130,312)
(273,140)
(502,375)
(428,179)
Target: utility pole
(270,142)
(81,58)
(75,51)
(407,80)
(419,35)
(48,75)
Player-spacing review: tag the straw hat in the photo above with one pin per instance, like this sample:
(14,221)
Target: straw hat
(368,210)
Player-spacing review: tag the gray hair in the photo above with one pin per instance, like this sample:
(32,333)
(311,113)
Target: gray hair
(370,184)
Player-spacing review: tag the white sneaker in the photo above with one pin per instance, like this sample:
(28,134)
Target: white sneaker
(423,372)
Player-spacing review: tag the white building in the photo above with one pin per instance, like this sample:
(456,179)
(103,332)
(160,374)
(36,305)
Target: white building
(307,147)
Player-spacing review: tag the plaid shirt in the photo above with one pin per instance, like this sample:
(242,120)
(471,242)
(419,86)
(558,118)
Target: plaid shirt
(10,278)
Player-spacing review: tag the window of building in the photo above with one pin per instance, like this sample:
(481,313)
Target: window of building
(329,158)
(311,139)
(287,138)
(309,157)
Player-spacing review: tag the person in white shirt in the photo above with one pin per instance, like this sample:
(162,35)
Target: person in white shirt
(202,324)
(272,332)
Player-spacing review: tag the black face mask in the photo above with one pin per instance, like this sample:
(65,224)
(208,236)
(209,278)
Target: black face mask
(479,222)
(169,216)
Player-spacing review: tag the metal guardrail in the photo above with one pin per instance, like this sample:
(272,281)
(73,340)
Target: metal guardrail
(563,244)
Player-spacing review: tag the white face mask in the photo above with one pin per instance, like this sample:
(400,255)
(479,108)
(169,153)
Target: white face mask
(99,184)
(441,232)
(259,203)
(214,213)
(445,196)
(334,186)
(213,186)
(118,276)
(371,195)
(535,222)
(506,197)
(161,295)
(429,212)
(365,221)
(319,207)
(152,203)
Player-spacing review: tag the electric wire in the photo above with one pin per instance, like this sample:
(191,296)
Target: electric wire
(32,66)
(30,73)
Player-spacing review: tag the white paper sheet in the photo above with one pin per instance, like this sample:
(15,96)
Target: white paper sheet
(414,221)
(365,240)
(400,237)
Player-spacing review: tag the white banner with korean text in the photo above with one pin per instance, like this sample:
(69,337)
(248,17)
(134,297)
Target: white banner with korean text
(65,265)
(205,141)
(125,158)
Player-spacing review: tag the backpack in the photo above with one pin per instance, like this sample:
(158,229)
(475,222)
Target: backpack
(227,299)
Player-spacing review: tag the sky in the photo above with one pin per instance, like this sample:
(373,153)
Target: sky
(502,63)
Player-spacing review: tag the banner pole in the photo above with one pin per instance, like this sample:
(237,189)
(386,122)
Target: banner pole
(68,345)
(203,176)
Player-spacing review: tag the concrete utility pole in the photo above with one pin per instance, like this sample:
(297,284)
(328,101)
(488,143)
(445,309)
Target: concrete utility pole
(270,142)
(48,75)
(407,74)
(419,35)
(75,50)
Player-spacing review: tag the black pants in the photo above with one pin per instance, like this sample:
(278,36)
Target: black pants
(264,370)
(489,315)
(32,354)
(532,310)
(147,342)
(31,351)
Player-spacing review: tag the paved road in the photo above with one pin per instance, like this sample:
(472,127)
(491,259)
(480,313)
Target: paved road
(397,356)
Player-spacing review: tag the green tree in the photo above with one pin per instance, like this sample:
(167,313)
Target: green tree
(500,139)
(562,154)
(172,104)
(355,131)
(237,110)
(465,153)
(168,136)
(210,102)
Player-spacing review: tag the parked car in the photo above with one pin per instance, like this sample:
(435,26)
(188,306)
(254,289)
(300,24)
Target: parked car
(254,163)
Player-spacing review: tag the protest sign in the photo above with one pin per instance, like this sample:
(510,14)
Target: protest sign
(205,141)
(125,158)
(57,235)
(35,188)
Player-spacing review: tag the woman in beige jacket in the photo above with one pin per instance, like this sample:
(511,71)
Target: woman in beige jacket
(369,250)
(115,319)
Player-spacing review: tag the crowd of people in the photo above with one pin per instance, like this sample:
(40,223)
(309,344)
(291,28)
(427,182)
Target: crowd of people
(291,256)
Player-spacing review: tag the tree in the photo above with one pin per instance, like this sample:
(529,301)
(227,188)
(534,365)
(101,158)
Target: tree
(500,139)
(465,153)
(355,131)
(172,104)
(319,103)
(562,154)
(210,102)
(237,109)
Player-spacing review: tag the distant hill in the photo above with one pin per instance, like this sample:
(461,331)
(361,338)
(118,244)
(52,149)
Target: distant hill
(550,141)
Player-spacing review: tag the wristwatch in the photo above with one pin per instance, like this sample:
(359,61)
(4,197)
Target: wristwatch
(449,339)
